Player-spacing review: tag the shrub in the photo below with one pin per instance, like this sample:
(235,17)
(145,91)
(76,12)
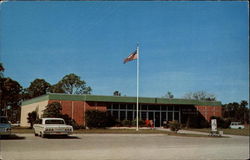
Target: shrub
(196,122)
(69,121)
(140,123)
(126,123)
(32,117)
(99,119)
(222,123)
(110,120)
(174,126)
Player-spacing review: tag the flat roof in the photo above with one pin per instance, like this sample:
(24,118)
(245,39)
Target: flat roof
(121,99)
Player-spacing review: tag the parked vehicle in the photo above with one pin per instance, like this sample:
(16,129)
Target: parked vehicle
(5,126)
(236,125)
(52,126)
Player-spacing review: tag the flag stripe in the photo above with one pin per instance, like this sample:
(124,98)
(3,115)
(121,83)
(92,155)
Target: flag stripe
(131,57)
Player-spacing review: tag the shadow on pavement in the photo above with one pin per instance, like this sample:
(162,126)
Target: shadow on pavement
(11,137)
(61,137)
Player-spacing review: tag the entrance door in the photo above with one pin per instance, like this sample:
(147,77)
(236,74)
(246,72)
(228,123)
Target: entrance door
(157,119)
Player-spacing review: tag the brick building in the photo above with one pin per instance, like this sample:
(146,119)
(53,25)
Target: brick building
(124,108)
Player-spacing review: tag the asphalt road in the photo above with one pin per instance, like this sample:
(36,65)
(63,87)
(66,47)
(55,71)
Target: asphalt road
(124,147)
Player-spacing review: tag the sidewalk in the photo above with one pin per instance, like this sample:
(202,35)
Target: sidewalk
(183,131)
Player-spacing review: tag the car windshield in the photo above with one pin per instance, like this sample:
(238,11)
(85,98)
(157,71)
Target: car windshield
(54,121)
(3,120)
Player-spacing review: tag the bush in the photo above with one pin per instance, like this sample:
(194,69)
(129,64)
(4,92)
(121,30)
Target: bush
(126,123)
(174,126)
(222,123)
(140,123)
(99,119)
(32,117)
(196,122)
(69,121)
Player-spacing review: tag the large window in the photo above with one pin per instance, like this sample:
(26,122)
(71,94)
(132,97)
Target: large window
(160,113)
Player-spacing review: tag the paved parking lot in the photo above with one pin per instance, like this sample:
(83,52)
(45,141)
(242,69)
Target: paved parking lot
(124,147)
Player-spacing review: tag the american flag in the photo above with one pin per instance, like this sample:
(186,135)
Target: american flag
(131,57)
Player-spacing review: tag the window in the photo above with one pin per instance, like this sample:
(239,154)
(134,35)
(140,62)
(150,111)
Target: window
(144,107)
(170,116)
(143,115)
(130,106)
(130,115)
(115,106)
(163,108)
(54,121)
(123,106)
(176,116)
(176,108)
(122,115)
(151,107)
(109,107)
(170,108)
(115,114)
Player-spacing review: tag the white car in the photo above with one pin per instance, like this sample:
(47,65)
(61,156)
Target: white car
(52,126)
(236,125)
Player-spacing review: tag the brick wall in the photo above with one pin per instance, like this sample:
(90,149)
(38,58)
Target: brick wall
(208,111)
(77,109)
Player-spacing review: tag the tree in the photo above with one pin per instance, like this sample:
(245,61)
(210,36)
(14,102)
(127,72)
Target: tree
(1,70)
(52,110)
(32,117)
(57,88)
(200,95)
(236,111)
(38,87)
(71,84)
(117,93)
(10,95)
(169,95)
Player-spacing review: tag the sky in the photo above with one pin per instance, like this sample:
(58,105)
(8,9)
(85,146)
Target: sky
(184,46)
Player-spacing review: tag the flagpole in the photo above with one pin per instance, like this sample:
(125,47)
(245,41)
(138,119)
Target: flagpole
(137,97)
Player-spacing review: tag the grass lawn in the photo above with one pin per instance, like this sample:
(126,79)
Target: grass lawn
(241,132)
(97,131)
(117,131)
(21,130)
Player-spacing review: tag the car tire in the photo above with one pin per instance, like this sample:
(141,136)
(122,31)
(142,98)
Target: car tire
(42,135)
(35,134)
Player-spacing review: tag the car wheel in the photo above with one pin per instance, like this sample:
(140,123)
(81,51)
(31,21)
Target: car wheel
(41,135)
(35,134)
(239,127)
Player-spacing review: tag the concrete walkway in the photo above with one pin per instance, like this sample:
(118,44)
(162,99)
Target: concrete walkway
(183,131)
